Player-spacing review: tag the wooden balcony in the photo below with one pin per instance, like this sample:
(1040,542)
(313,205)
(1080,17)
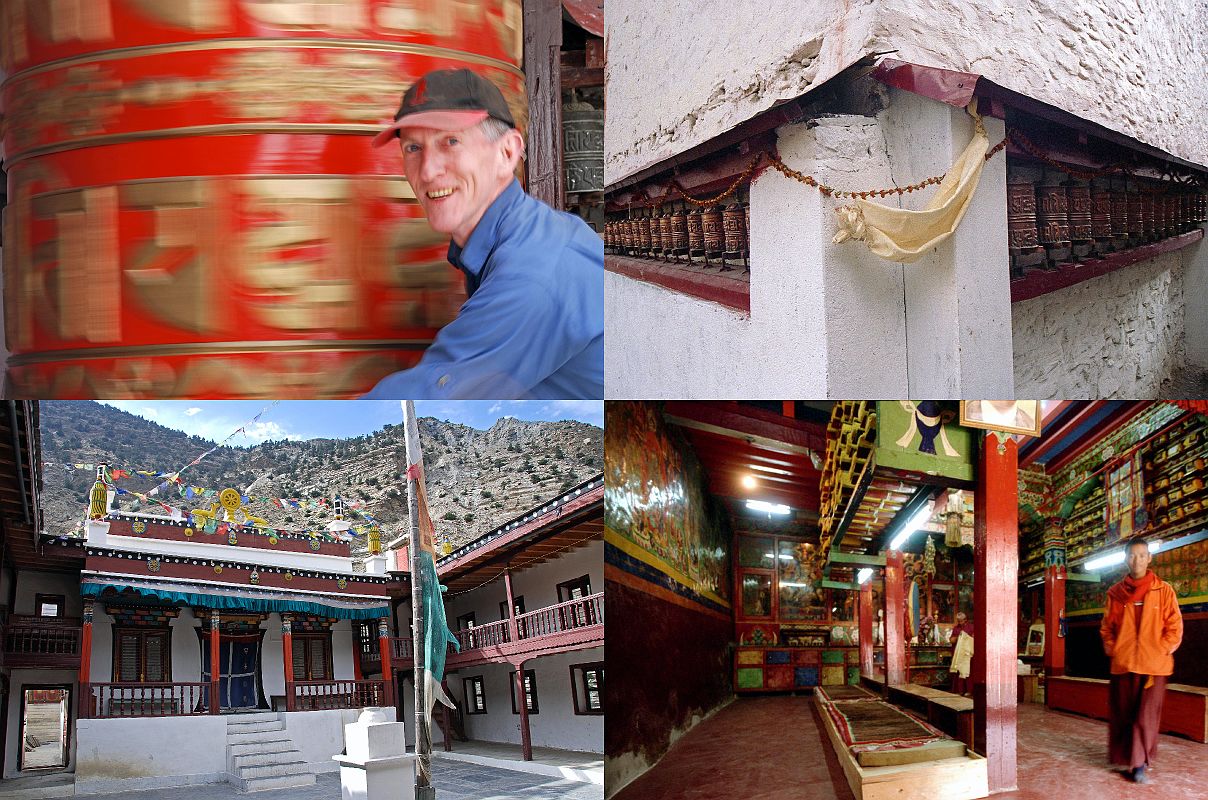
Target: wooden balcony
(112,700)
(325,695)
(573,625)
(41,643)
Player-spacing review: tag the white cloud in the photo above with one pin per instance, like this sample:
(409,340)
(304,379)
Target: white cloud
(590,411)
(191,411)
(495,409)
(258,432)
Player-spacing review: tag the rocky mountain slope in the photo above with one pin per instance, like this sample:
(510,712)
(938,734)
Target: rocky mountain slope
(476,479)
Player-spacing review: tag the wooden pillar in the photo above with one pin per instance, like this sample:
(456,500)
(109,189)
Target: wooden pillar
(513,630)
(387,667)
(357,644)
(1054,597)
(866,613)
(215,669)
(543,78)
(995,612)
(287,656)
(526,743)
(895,640)
(85,702)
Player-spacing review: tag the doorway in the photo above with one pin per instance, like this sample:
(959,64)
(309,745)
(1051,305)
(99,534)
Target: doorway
(238,670)
(45,719)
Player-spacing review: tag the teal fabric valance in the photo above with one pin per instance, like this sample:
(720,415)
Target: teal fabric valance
(334,609)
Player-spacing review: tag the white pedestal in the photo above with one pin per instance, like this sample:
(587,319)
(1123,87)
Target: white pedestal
(376,766)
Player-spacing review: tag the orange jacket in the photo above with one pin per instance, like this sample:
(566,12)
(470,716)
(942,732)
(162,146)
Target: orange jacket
(1148,651)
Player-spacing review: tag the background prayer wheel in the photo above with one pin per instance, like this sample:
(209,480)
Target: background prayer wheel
(194,206)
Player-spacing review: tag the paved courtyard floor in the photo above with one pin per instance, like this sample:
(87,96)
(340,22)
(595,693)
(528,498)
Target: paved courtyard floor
(453,781)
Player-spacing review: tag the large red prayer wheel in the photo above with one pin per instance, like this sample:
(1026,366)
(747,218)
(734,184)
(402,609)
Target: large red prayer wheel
(195,209)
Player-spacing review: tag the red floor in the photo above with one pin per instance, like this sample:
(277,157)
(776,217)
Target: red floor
(768,748)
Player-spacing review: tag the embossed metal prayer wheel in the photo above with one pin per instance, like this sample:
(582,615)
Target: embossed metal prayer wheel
(679,233)
(610,235)
(583,147)
(1148,229)
(644,235)
(1022,239)
(195,209)
(1119,218)
(1101,217)
(656,235)
(1172,214)
(734,225)
(1159,215)
(627,235)
(1080,219)
(1136,227)
(696,235)
(714,234)
(665,229)
(1052,221)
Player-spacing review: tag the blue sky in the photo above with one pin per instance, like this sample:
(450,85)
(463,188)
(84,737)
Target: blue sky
(338,419)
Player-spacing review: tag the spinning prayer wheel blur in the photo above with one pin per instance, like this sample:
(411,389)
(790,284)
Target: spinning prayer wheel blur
(194,206)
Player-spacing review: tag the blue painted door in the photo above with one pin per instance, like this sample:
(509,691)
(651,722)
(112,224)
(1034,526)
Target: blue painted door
(238,662)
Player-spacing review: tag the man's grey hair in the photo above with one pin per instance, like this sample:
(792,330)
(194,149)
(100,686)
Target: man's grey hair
(494,129)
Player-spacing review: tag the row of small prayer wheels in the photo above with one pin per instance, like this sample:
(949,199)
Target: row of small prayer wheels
(712,236)
(1048,224)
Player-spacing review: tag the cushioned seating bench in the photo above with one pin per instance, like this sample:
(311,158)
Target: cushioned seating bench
(949,712)
(1184,710)
(888,753)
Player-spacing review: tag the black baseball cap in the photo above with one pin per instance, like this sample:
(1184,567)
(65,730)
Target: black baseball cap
(448,100)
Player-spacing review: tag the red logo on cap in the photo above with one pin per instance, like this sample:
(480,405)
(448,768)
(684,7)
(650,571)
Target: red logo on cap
(421,89)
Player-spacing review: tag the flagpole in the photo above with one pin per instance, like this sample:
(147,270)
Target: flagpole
(423,736)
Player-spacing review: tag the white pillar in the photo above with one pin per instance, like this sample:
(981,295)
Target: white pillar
(958,297)
(1195,288)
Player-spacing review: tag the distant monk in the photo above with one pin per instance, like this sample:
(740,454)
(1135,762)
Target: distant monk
(962,654)
(1141,629)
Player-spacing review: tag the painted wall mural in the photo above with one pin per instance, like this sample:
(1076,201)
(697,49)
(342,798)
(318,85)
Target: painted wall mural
(655,497)
(923,436)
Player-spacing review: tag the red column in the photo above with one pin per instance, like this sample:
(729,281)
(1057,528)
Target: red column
(86,662)
(995,612)
(526,744)
(215,669)
(287,655)
(387,667)
(895,641)
(1054,597)
(866,628)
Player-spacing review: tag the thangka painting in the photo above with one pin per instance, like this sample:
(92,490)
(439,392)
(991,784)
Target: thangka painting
(924,436)
(655,496)
(1125,500)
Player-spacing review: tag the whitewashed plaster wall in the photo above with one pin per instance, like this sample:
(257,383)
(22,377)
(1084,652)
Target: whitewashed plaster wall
(18,680)
(680,72)
(30,584)
(319,735)
(1116,336)
(555,725)
(149,752)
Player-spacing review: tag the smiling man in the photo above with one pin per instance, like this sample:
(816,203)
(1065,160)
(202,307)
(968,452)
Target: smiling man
(533,324)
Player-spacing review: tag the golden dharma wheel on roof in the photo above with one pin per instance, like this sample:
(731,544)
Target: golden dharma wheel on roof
(194,205)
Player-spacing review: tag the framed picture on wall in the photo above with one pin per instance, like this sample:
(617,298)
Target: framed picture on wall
(1011,416)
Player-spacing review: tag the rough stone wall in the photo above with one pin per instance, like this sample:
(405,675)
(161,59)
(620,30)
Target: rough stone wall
(1117,336)
(682,71)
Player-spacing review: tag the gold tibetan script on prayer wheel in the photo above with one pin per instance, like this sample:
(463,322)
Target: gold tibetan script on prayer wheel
(194,205)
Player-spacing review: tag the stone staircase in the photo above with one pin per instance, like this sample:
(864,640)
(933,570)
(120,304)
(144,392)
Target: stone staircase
(260,754)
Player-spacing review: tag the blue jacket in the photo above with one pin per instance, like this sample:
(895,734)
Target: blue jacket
(533,324)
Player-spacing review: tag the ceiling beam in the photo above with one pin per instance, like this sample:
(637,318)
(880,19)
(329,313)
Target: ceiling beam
(765,429)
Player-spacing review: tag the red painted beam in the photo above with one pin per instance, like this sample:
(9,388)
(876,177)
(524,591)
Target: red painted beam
(1127,410)
(694,281)
(1049,437)
(774,432)
(1040,283)
(995,611)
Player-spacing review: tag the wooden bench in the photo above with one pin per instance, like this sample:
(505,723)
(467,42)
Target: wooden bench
(1184,710)
(936,770)
(949,712)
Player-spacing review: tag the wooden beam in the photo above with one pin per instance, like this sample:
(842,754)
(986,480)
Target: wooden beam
(579,77)
(870,559)
(543,77)
(763,429)
(995,608)
(895,643)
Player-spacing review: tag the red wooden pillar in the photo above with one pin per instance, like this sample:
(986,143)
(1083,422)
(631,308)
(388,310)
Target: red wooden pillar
(86,662)
(895,640)
(287,656)
(387,667)
(995,612)
(1054,597)
(513,632)
(215,668)
(866,628)
(526,743)
(357,644)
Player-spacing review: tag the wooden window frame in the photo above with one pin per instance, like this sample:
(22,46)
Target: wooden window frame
(469,684)
(578,680)
(142,632)
(531,694)
(325,638)
(566,588)
(58,599)
(461,626)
